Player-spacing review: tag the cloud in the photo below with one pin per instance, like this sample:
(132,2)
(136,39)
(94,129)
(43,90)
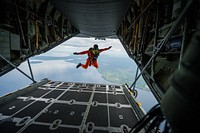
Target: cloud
(60,64)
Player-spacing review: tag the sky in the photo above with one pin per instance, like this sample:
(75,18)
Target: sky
(59,64)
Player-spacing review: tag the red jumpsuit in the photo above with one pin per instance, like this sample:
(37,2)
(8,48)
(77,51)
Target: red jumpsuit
(91,60)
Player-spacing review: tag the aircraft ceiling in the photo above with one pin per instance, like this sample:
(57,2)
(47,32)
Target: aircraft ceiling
(97,18)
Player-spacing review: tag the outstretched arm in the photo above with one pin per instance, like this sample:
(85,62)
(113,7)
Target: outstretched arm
(83,52)
(104,49)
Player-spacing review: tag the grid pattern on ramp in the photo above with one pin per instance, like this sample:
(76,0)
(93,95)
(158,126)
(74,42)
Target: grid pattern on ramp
(69,107)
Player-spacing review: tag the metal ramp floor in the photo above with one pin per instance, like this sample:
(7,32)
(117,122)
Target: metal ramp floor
(68,107)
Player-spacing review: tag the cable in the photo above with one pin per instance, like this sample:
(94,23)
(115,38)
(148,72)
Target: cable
(27,11)
(140,15)
(151,121)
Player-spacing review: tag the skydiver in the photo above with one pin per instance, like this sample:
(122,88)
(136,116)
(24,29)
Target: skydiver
(93,54)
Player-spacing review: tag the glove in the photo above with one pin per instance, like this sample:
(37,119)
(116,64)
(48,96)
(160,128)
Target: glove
(75,53)
(110,47)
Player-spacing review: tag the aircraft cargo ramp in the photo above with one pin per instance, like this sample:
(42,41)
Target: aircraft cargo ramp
(53,106)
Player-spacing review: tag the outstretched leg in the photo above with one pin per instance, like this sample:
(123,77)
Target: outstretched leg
(85,66)
(95,64)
